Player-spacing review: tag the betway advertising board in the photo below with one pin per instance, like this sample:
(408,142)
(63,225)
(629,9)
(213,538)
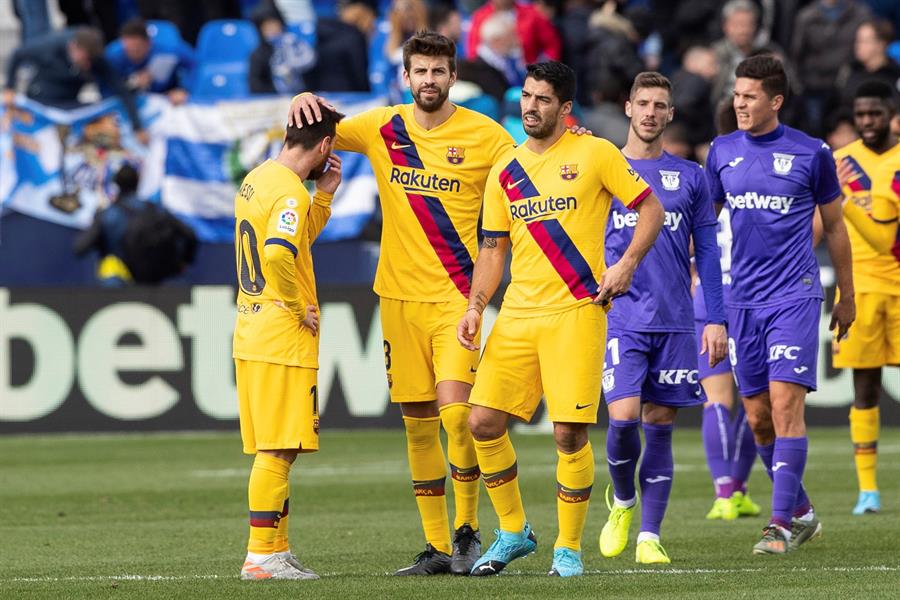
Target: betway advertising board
(85,359)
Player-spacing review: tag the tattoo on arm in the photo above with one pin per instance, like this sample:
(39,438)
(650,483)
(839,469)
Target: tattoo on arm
(489,242)
(480,301)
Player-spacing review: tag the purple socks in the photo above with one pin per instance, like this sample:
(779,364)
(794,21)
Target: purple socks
(744,451)
(623,449)
(718,441)
(785,461)
(655,474)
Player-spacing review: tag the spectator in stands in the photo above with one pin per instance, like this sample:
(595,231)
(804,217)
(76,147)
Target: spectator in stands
(106,16)
(343,43)
(62,63)
(606,117)
(444,18)
(148,65)
(872,61)
(106,233)
(278,64)
(498,65)
(823,42)
(537,36)
(34,18)
(572,24)
(612,50)
(189,17)
(740,24)
(840,129)
(691,94)
(406,18)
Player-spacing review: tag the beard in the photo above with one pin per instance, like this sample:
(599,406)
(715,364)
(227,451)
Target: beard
(648,139)
(430,106)
(318,171)
(542,130)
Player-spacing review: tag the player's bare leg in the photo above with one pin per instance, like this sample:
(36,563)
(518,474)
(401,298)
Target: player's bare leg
(574,481)
(268,553)
(497,461)
(453,403)
(429,473)
(864,429)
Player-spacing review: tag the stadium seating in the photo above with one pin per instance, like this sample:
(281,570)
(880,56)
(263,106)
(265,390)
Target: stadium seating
(163,31)
(223,52)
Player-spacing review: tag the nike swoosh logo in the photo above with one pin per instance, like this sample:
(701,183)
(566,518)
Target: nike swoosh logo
(658,479)
(580,406)
(396,146)
(736,161)
(778,465)
(510,186)
(615,462)
(471,370)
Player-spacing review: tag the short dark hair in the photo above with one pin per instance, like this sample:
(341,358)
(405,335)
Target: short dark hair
(126,179)
(767,69)
(651,79)
(311,134)
(90,40)
(429,43)
(560,77)
(874,88)
(134,28)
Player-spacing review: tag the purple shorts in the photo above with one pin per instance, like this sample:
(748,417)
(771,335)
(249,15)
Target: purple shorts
(657,367)
(774,343)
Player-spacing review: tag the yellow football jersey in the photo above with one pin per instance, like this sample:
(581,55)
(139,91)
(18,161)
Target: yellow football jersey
(872,272)
(431,184)
(273,208)
(554,207)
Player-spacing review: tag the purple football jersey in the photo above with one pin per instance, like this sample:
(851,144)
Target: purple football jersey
(771,185)
(660,296)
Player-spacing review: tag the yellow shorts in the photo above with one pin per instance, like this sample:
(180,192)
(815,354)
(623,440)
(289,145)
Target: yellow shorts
(559,356)
(279,406)
(421,349)
(874,339)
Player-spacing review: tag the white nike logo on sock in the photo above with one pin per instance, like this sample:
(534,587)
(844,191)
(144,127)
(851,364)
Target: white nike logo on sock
(778,465)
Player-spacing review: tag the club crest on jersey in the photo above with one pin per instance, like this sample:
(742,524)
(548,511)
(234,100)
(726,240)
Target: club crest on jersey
(782,163)
(455,155)
(568,172)
(670,180)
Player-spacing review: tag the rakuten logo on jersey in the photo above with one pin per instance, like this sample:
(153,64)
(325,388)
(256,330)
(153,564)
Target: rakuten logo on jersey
(630,219)
(529,209)
(779,351)
(677,376)
(779,204)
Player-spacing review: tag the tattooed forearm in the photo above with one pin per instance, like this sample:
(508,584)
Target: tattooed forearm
(478,301)
(489,242)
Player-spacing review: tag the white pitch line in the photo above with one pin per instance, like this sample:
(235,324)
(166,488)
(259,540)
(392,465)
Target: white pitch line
(866,569)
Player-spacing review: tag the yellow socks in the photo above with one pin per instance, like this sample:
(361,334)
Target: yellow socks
(267,494)
(281,536)
(497,460)
(429,473)
(574,479)
(464,470)
(864,435)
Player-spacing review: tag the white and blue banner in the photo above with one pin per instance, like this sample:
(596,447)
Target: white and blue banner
(57,164)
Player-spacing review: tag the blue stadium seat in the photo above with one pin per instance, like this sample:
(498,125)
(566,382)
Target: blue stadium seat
(305,31)
(381,73)
(221,81)
(164,31)
(226,41)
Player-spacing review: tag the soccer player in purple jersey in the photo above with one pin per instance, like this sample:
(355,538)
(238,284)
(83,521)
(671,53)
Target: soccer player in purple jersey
(773,177)
(651,354)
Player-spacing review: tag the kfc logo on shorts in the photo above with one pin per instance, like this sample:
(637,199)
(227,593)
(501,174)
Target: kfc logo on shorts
(779,351)
(677,376)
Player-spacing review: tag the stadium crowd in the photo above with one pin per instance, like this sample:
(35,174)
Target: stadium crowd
(236,48)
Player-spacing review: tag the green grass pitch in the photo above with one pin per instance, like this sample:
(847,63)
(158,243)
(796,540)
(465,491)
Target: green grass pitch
(164,516)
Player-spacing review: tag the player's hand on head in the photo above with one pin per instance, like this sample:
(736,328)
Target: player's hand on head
(842,316)
(307,105)
(615,281)
(311,320)
(330,181)
(468,329)
(715,342)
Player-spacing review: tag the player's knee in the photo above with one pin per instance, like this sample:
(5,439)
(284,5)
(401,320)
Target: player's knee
(867,388)
(570,437)
(483,427)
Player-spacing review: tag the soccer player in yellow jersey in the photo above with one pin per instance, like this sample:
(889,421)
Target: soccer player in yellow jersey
(431,159)
(276,349)
(874,341)
(867,170)
(548,200)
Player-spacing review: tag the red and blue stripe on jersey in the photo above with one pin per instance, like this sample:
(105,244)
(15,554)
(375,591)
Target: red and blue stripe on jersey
(550,236)
(862,183)
(429,211)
